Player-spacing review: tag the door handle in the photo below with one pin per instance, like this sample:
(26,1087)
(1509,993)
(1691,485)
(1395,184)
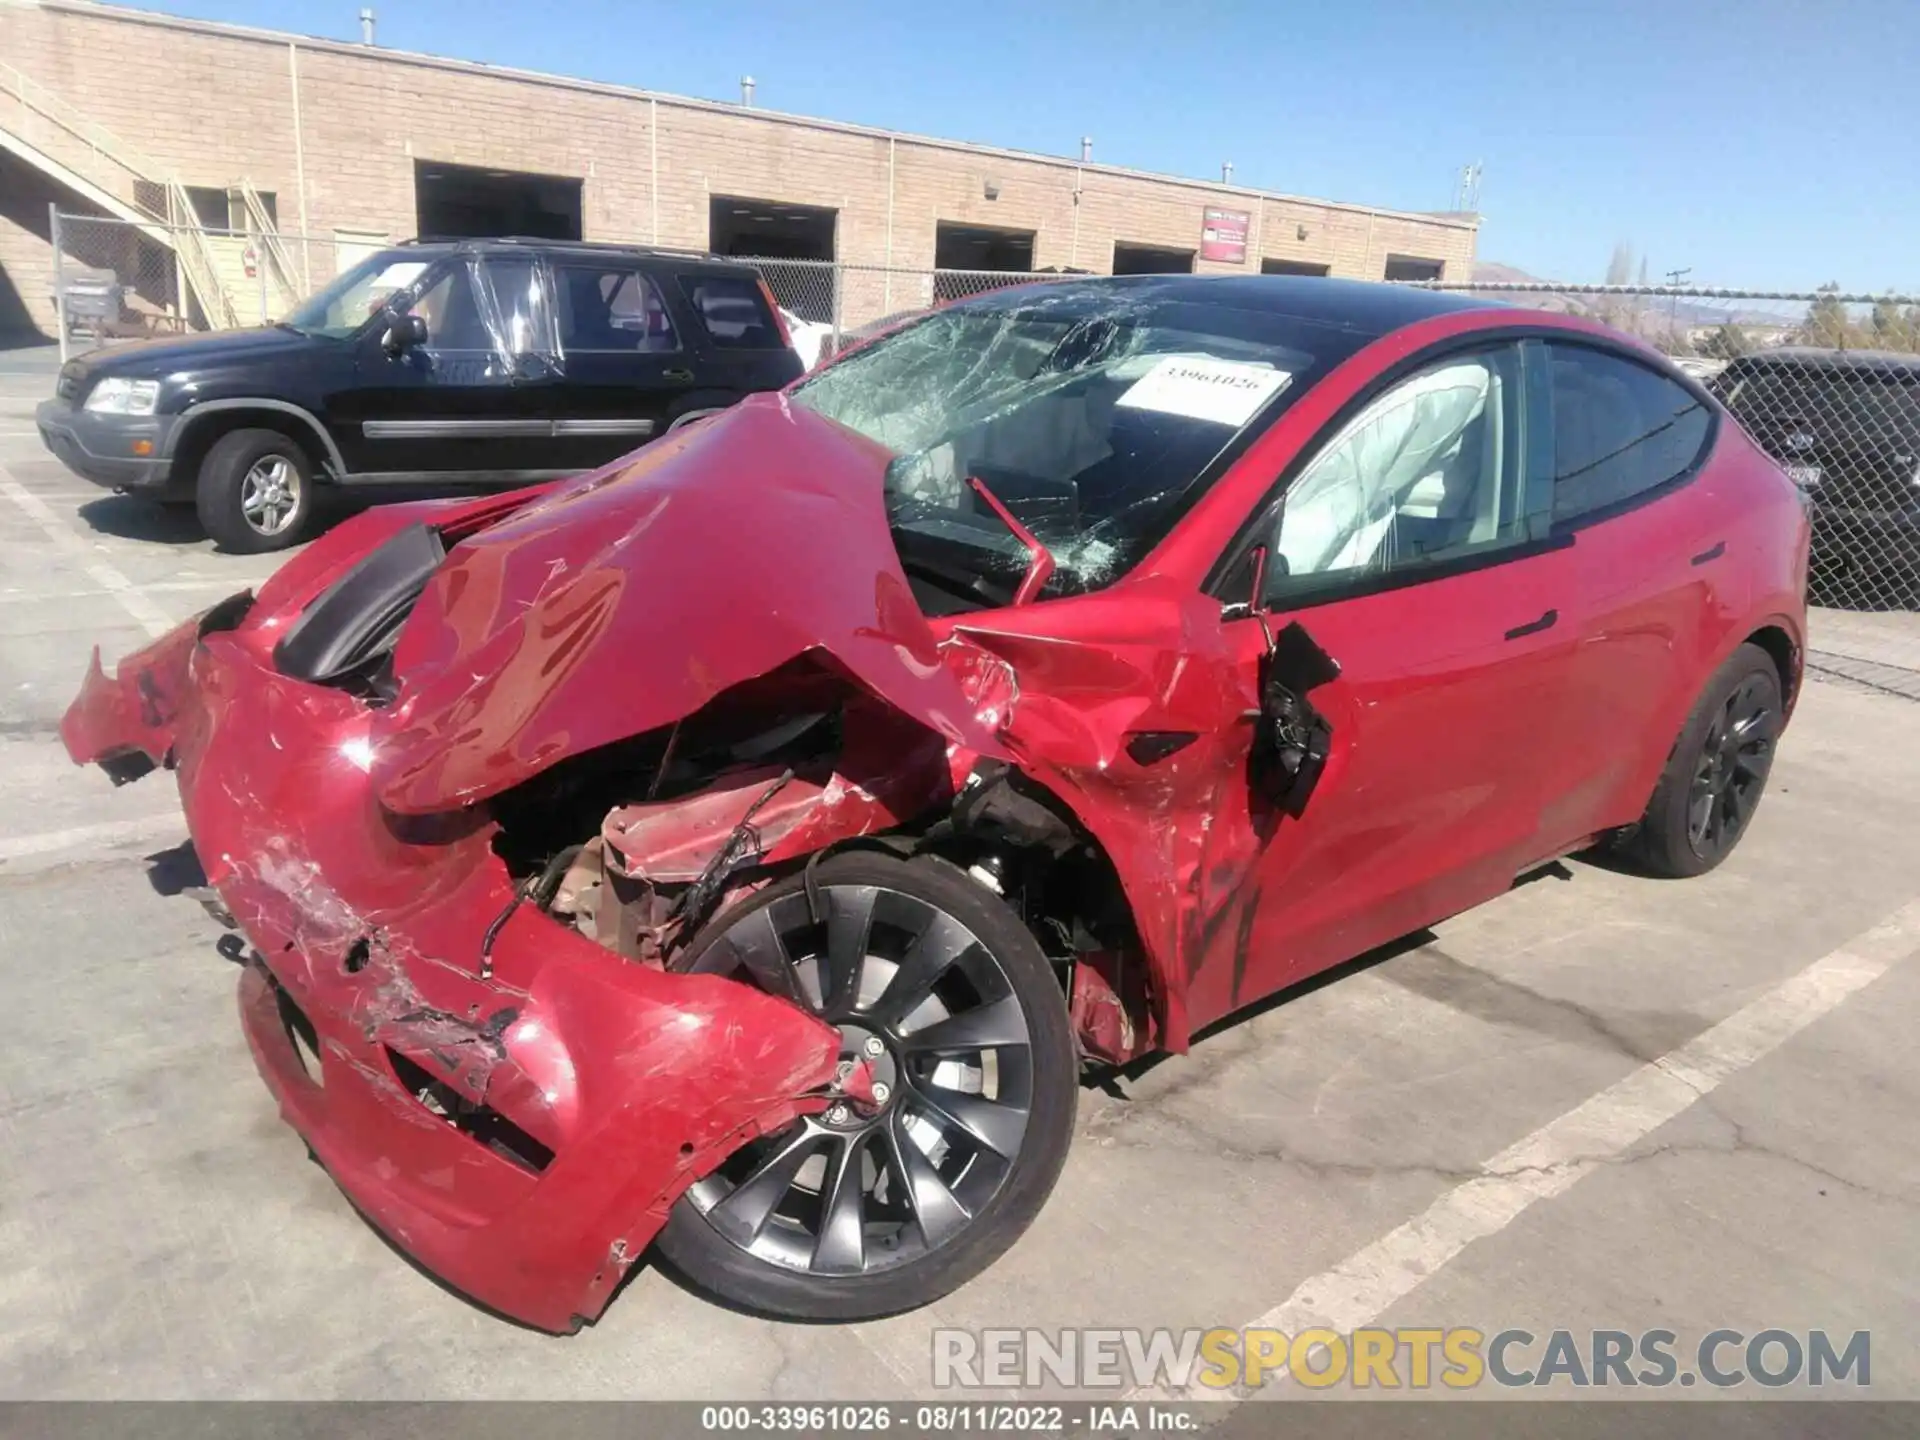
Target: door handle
(1714,554)
(676,372)
(1534,627)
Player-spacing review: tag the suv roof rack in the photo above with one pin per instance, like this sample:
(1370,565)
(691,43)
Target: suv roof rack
(592,247)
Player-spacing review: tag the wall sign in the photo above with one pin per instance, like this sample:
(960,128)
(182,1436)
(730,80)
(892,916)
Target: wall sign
(1223,235)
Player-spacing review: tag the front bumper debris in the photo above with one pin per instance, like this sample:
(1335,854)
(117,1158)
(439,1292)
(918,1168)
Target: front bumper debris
(522,1136)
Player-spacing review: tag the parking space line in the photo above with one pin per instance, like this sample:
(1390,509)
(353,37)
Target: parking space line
(1360,1289)
(88,837)
(147,615)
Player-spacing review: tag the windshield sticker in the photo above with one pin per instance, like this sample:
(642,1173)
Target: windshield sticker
(399,275)
(1227,392)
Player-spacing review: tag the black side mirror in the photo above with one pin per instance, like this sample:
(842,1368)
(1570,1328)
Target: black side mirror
(403,333)
(1291,748)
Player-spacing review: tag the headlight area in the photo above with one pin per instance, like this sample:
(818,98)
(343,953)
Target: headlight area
(114,396)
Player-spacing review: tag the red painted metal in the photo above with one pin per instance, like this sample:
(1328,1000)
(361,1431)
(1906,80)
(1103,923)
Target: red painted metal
(353,843)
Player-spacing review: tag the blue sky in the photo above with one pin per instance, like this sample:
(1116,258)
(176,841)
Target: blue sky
(1769,143)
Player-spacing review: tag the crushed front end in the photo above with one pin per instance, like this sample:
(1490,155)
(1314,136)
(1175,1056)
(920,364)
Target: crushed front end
(513,1104)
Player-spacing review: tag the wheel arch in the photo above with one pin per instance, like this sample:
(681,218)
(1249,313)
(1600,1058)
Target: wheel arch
(1787,653)
(203,425)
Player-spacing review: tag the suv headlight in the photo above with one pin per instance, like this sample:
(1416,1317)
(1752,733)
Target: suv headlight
(124,397)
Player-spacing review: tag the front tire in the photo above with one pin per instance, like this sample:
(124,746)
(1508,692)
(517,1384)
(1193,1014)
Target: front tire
(862,1211)
(255,491)
(1717,772)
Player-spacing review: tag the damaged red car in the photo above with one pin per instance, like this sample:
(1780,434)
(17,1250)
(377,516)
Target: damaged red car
(739,851)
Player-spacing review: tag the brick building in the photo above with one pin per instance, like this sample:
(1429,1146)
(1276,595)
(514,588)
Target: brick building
(109,111)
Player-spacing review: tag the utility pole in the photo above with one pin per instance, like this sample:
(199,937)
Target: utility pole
(1674,277)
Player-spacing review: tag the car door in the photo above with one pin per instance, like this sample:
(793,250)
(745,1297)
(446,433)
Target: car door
(1411,548)
(471,403)
(746,349)
(1653,554)
(627,363)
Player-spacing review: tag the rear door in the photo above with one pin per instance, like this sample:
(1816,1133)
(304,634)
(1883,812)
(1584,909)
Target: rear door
(747,351)
(1653,544)
(469,404)
(629,367)
(1413,550)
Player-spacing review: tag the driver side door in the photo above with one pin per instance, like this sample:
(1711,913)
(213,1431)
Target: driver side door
(1411,545)
(472,404)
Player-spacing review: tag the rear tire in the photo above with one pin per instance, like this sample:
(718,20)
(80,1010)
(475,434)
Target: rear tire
(254,492)
(1713,780)
(955,1163)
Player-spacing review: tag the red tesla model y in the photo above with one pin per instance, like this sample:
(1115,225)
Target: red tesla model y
(740,850)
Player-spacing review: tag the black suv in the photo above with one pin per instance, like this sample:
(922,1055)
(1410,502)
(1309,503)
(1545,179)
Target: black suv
(476,362)
(1846,426)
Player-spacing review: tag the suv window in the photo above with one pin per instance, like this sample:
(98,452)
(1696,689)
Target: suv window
(1619,430)
(1429,471)
(453,318)
(520,302)
(611,307)
(734,312)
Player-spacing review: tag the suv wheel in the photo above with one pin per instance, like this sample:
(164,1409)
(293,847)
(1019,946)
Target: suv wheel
(255,491)
(881,1205)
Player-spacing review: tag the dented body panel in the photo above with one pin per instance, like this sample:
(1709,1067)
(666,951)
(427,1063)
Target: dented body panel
(517,1101)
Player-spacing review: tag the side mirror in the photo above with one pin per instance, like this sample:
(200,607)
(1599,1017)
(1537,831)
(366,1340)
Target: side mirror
(403,334)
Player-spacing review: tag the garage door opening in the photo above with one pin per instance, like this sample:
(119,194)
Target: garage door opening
(1292,267)
(975,247)
(1412,267)
(739,226)
(457,202)
(1150,260)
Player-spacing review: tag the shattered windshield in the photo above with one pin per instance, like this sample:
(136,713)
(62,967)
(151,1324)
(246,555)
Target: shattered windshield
(1089,410)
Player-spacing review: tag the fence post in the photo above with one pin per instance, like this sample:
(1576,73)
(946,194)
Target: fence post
(839,279)
(260,274)
(59,277)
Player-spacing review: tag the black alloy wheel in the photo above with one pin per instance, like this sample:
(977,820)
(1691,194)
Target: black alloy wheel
(1714,778)
(961,1079)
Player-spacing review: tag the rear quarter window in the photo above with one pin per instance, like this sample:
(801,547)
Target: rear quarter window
(733,311)
(1620,430)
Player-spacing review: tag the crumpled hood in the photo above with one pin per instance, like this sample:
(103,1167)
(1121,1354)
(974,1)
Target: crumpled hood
(625,600)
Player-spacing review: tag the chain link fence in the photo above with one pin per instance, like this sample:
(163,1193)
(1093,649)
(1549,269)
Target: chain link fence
(117,280)
(1827,382)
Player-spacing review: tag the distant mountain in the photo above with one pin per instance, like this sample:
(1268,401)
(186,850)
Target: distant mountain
(1688,313)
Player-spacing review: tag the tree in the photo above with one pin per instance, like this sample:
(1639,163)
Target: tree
(1827,324)
(1891,327)
(1729,342)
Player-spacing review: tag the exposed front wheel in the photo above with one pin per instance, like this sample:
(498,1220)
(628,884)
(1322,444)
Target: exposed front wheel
(255,491)
(890,1200)
(1717,772)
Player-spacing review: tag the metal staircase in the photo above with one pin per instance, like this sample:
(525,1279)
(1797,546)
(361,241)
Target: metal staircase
(60,141)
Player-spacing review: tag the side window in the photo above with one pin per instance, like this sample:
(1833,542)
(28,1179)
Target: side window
(734,312)
(453,318)
(1619,429)
(611,308)
(520,305)
(1429,471)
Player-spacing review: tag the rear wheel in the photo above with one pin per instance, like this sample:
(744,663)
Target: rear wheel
(1718,769)
(888,1202)
(255,491)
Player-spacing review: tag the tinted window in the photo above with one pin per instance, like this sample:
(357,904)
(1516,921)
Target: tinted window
(609,307)
(1429,471)
(1090,413)
(734,312)
(1619,430)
